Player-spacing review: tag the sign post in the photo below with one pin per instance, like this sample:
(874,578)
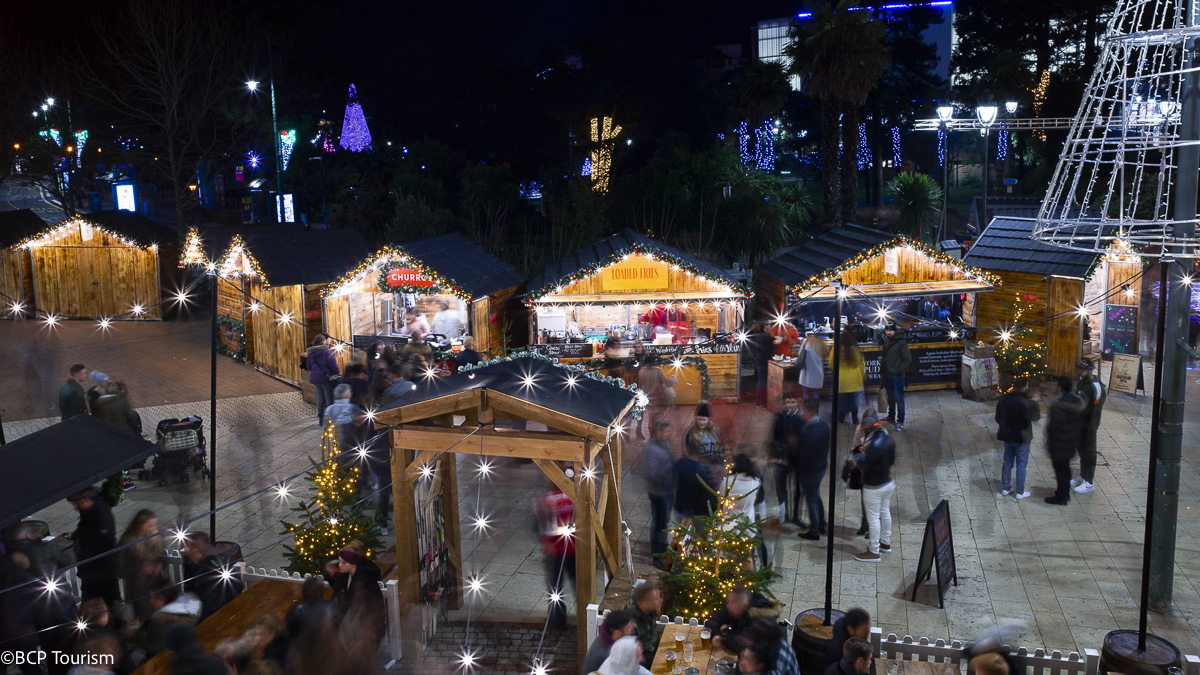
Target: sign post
(1126,374)
(937,552)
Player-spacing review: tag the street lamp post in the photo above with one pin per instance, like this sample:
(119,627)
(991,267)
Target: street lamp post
(987,115)
(252,85)
(945,113)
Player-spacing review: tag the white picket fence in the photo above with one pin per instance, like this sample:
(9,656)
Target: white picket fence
(953,654)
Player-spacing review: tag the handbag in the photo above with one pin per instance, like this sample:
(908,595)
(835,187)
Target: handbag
(881,400)
(851,474)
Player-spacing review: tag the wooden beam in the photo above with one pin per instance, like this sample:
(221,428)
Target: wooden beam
(610,518)
(407,569)
(556,475)
(607,554)
(448,467)
(451,403)
(461,440)
(552,418)
(585,558)
(422,458)
(602,507)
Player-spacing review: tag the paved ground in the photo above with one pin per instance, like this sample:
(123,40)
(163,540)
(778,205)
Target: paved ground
(1067,575)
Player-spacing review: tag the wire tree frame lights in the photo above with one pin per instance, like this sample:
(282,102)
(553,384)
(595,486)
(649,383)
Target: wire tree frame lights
(1115,180)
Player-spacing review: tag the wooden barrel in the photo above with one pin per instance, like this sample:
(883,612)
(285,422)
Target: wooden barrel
(810,637)
(1120,654)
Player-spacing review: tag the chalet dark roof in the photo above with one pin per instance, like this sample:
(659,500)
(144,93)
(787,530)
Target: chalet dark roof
(18,225)
(135,226)
(535,381)
(297,256)
(826,252)
(455,257)
(603,252)
(1008,245)
(62,459)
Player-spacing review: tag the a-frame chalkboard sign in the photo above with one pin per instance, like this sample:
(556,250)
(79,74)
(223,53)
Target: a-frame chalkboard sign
(937,552)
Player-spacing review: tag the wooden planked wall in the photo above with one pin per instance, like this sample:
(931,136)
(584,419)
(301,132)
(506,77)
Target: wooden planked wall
(12,285)
(337,326)
(677,281)
(1052,297)
(913,266)
(99,277)
(278,346)
(770,296)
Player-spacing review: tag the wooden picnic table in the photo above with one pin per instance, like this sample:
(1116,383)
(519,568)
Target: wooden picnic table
(268,597)
(703,660)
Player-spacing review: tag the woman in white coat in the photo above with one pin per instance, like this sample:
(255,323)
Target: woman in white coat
(811,361)
(744,486)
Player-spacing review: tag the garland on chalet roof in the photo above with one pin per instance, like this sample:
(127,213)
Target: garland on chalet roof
(653,253)
(393,257)
(899,241)
(193,250)
(225,266)
(54,233)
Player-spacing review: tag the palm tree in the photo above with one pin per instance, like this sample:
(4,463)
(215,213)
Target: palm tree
(919,199)
(840,54)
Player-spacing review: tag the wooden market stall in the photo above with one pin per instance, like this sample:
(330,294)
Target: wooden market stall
(1046,284)
(498,401)
(269,300)
(632,287)
(886,277)
(104,265)
(459,288)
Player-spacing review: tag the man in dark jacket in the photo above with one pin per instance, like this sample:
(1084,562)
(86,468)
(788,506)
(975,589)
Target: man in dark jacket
(1092,393)
(894,369)
(1015,415)
(213,583)
(729,623)
(811,462)
(855,624)
(785,444)
(323,373)
(762,347)
(856,659)
(691,497)
(1064,431)
(617,624)
(187,654)
(95,538)
(72,400)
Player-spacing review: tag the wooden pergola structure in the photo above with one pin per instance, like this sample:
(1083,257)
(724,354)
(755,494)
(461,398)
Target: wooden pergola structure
(583,416)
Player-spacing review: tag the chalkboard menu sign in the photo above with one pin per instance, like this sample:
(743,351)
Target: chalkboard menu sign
(397,342)
(1120,329)
(1127,374)
(937,552)
(565,350)
(929,365)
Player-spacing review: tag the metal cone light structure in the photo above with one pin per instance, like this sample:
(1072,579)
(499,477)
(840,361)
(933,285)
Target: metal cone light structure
(355,135)
(1117,177)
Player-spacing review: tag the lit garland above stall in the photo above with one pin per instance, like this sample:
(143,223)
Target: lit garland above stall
(881,249)
(287,142)
(55,234)
(193,250)
(390,258)
(539,294)
(230,264)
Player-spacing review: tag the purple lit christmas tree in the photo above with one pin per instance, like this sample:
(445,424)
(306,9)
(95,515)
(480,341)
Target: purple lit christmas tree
(355,135)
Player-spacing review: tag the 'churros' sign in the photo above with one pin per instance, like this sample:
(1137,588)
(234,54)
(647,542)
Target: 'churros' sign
(638,273)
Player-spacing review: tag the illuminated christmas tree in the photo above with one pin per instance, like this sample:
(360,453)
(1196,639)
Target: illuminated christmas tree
(355,135)
(705,566)
(1019,355)
(333,517)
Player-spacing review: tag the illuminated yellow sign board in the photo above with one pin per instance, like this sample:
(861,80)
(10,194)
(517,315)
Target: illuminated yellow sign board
(638,273)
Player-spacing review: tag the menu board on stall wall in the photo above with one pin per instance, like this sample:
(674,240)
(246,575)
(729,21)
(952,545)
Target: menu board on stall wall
(638,273)
(1120,329)
(397,342)
(565,350)
(929,365)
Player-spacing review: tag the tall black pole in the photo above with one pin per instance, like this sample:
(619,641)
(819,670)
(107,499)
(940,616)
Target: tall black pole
(1173,366)
(212,419)
(983,217)
(833,454)
(1155,441)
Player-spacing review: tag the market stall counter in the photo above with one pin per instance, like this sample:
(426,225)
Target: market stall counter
(628,297)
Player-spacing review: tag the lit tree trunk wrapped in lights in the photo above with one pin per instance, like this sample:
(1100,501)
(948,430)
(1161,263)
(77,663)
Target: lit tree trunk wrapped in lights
(334,516)
(706,564)
(1018,355)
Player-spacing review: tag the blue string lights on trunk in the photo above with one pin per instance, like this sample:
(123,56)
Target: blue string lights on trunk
(864,151)
(762,155)
(355,135)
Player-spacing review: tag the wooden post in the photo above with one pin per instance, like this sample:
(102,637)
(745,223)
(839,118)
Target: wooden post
(404,512)
(611,517)
(448,467)
(585,554)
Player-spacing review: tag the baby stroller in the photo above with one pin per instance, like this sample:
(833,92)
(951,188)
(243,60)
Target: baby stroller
(180,451)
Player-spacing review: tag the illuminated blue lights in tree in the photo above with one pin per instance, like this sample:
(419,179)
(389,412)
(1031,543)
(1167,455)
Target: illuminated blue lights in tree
(896,146)
(586,170)
(941,147)
(864,152)
(1002,142)
(355,135)
(760,155)
(81,136)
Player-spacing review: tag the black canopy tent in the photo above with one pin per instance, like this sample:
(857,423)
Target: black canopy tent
(62,459)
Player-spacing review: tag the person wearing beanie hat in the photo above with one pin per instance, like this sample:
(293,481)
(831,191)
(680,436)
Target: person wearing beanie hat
(93,393)
(356,588)
(704,438)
